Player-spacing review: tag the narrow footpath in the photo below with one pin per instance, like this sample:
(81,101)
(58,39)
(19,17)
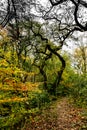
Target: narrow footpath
(62,115)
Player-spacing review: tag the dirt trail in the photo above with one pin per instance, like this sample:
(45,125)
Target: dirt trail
(60,116)
(69,117)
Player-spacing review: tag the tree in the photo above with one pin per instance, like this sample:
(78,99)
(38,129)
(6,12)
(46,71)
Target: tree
(60,19)
(80,58)
(68,19)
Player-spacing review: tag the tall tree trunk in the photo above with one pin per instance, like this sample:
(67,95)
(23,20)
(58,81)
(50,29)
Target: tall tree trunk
(60,72)
(44,78)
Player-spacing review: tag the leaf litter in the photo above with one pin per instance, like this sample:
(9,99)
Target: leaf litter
(61,115)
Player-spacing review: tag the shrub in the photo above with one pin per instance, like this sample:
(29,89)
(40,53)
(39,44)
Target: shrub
(14,114)
(79,91)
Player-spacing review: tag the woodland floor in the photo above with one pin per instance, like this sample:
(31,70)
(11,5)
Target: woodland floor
(62,115)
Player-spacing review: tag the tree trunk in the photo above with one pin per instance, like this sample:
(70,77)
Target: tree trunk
(60,72)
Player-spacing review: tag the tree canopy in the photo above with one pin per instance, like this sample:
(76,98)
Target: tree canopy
(34,67)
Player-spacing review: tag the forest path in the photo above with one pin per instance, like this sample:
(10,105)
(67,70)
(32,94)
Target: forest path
(62,115)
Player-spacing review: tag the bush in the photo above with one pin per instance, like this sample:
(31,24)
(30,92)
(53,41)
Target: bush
(79,91)
(39,100)
(14,114)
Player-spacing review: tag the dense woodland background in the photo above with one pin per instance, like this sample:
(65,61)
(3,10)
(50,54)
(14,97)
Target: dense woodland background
(43,57)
